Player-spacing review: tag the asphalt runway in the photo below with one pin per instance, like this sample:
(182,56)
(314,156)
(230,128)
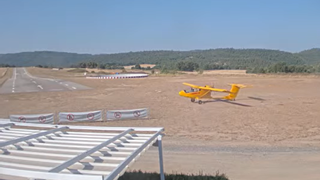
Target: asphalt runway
(22,82)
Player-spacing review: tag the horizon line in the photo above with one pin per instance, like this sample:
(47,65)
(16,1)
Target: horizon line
(123,52)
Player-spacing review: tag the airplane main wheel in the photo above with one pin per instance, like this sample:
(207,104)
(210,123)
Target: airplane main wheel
(200,102)
(192,100)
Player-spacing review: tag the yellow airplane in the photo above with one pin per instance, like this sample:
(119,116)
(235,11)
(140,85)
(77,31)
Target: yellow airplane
(204,92)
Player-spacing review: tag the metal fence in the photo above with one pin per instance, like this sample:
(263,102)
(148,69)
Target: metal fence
(33,118)
(142,113)
(80,116)
(127,114)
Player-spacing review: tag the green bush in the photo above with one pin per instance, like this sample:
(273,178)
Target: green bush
(77,70)
(187,66)
(137,66)
(138,175)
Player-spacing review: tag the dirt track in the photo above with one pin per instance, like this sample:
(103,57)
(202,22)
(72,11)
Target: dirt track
(276,111)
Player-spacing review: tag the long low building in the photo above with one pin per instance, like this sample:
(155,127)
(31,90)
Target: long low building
(119,76)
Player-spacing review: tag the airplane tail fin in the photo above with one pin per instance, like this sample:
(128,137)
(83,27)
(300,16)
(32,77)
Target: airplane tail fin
(235,88)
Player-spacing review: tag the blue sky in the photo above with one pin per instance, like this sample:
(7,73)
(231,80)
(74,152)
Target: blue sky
(120,26)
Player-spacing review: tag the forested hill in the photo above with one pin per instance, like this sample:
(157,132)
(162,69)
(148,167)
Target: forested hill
(311,56)
(232,58)
(48,58)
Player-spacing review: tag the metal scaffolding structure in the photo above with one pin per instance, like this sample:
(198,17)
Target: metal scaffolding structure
(41,151)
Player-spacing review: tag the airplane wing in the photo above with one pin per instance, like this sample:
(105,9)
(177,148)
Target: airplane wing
(191,85)
(207,88)
(214,89)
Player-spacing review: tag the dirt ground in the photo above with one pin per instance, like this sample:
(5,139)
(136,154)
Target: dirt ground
(5,73)
(277,111)
(274,110)
(224,72)
(237,165)
(2,71)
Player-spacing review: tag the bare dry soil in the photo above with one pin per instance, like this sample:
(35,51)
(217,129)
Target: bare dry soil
(277,111)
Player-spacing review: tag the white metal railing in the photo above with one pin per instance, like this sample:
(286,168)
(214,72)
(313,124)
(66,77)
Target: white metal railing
(67,152)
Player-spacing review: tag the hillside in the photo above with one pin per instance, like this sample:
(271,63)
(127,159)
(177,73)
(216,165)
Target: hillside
(48,58)
(311,56)
(230,58)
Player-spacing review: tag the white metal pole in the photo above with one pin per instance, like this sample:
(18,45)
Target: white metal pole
(160,157)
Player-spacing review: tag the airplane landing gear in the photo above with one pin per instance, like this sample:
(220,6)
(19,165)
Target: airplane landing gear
(193,100)
(200,102)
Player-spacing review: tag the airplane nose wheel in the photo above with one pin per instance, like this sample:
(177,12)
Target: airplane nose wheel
(200,102)
(192,100)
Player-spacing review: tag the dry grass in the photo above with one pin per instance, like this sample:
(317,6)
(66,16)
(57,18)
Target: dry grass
(5,73)
(221,72)
(237,72)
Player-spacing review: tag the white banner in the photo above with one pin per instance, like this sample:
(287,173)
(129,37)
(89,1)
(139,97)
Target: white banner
(33,118)
(80,116)
(127,114)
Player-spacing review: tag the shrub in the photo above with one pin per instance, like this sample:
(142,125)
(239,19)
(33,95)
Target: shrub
(137,66)
(187,66)
(77,70)
(155,176)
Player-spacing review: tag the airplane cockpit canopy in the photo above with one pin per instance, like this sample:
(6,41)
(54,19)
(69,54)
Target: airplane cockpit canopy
(191,90)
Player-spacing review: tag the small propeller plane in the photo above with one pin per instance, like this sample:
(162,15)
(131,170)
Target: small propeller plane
(204,92)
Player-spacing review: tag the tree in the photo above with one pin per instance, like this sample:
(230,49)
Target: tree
(102,66)
(137,66)
(187,66)
(82,65)
(318,68)
(92,65)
